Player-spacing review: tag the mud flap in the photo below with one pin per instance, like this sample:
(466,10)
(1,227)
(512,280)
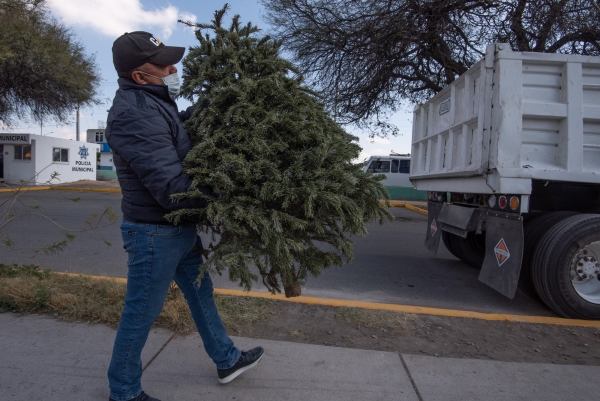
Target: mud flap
(434,228)
(503,252)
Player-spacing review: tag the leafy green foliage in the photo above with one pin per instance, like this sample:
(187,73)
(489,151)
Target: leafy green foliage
(77,199)
(57,246)
(287,196)
(23,270)
(45,71)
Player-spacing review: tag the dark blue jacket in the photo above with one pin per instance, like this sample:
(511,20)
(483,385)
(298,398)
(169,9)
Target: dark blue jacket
(146,135)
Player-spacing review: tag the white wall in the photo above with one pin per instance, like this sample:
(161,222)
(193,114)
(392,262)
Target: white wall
(16,170)
(106,159)
(77,168)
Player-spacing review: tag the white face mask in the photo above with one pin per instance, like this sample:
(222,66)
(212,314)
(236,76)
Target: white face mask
(172,82)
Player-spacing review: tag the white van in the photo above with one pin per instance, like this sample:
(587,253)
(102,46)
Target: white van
(396,169)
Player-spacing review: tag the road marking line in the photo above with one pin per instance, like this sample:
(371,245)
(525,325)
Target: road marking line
(112,191)
(419,310)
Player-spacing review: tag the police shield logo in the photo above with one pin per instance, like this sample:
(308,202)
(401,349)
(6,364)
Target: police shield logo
(83,152)
(434,227)
(501,252)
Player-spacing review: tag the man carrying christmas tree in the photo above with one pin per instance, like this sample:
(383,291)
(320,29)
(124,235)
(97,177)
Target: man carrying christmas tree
(148,141)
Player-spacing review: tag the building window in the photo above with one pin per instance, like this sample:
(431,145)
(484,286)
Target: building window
(60,155)
(22,152)
(395,164)
(99,136)
(405,166)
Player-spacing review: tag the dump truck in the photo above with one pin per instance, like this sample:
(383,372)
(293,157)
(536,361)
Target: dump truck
(509,154)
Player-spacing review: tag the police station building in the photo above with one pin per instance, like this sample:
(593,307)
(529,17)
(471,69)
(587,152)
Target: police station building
(34,159)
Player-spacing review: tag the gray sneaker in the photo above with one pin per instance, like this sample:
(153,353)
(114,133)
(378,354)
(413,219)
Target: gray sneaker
(248,360)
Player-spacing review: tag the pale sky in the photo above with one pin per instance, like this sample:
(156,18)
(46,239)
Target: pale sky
(97,23)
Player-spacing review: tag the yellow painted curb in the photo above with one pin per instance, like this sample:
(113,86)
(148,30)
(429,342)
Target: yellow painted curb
(112,191)
(419,310)
(416,209)
(42,188)
(406,205)
(115,279)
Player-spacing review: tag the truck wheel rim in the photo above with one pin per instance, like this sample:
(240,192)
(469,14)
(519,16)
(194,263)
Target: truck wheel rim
(585,272)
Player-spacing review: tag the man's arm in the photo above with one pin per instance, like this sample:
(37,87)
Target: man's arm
(142,138)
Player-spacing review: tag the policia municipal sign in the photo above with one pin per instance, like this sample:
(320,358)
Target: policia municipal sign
(14,139)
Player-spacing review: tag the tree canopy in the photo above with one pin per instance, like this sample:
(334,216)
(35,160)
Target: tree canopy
(44,71)
(287,196)
(367,55)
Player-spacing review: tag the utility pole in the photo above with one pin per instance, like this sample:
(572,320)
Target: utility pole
(77,125)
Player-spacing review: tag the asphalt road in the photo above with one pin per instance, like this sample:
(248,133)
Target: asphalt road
(391,264)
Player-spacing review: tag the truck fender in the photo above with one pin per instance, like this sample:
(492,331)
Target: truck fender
(503,252)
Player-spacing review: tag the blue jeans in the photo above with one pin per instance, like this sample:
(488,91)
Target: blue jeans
(158,254)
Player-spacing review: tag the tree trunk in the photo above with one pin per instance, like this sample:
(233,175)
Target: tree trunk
(292,290)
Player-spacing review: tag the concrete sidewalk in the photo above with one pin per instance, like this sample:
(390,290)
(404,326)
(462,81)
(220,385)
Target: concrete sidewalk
(42,358)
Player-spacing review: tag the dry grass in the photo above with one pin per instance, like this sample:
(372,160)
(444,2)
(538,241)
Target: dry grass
(78,298)
(243,311)
(27,289)
(376,319)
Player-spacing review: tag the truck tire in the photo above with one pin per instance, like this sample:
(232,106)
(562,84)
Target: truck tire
(470,250)
(533,231)
(566,269)
(448,244)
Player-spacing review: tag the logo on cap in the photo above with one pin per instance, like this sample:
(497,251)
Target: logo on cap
(501,252)
(434,228)
(155,41)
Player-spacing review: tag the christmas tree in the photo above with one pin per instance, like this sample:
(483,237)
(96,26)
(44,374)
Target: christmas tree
(287,196)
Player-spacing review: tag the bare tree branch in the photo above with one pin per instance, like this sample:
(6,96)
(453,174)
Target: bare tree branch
(366,56)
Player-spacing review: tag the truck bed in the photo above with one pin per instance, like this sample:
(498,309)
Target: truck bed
(512,118)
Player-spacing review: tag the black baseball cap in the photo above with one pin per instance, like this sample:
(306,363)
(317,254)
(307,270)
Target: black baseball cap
(134,49)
